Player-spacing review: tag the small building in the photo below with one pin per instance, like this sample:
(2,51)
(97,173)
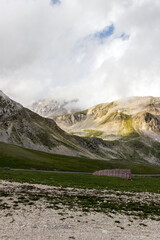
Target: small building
(122,173)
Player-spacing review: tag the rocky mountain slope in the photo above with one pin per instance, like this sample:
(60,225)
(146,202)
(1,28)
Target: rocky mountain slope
(22,127)
(130,117)
(51,107)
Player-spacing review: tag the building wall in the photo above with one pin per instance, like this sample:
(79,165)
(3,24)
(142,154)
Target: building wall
(123,173)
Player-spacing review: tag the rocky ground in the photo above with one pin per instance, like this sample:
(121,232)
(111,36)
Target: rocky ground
(41,212)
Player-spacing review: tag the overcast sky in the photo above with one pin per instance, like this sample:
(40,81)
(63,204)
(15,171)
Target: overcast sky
(96,51)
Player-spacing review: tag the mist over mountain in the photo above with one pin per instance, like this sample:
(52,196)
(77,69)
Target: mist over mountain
(52,107)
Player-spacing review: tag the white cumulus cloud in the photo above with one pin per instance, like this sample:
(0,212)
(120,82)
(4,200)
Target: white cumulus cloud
(50,49)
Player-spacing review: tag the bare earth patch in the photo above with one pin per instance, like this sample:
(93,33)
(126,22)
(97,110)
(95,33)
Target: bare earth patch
(41,212)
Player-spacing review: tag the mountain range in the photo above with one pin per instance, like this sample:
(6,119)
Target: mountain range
(123,130)
(22,127)
(134,116)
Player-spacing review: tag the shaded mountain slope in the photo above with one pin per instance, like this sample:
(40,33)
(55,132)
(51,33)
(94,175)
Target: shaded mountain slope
(20,126)
(17,157)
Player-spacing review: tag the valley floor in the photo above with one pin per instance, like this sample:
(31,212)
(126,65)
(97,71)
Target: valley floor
(39,212)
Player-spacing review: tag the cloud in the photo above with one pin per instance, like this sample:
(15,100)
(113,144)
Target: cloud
(74,49)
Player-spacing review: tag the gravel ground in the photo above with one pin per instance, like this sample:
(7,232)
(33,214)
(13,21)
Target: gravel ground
(27,221)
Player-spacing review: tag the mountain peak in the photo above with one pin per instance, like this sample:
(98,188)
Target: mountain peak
(52,107)
(8,106)
(2,95)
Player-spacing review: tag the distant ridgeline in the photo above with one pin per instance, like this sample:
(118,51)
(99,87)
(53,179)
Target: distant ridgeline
(123,173)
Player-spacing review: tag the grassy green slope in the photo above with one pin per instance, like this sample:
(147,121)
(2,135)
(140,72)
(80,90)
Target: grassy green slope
(18,157)
(83,181)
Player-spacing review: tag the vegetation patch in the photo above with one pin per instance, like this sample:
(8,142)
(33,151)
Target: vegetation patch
(82,181)
(18,157)
(141,205)
(84,112)
(126,126)
(109,118)
(93,133)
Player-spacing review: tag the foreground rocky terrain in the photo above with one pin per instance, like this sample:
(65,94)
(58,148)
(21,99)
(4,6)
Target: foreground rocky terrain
(30,211)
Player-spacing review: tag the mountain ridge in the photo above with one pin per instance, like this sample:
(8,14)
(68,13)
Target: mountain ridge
(131,116)
(20,126)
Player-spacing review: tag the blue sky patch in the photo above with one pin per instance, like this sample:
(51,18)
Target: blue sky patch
(55,1)
(124,36)
(105,33)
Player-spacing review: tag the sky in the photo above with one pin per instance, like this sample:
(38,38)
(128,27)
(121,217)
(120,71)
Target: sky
(95,51)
